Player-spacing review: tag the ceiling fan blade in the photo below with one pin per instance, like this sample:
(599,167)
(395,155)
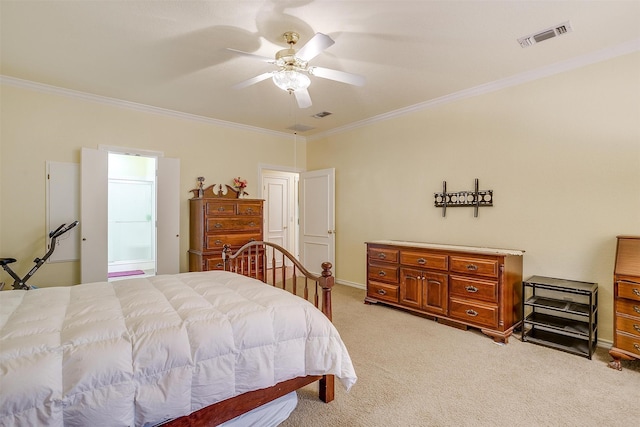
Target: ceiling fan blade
(313,47)
(252,55)
(303,98)
(252,80)
(340,76)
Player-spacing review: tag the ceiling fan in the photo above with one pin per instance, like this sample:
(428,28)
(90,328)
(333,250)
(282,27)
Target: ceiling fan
(293,67)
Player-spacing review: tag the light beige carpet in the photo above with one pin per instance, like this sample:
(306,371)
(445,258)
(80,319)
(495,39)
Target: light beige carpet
(416,372)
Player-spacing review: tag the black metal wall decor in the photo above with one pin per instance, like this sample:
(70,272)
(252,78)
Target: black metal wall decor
(474,198)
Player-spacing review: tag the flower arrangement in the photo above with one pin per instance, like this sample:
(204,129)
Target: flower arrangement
(240,184)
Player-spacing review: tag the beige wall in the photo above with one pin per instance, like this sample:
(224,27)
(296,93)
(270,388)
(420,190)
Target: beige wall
(562,155)
(37,127)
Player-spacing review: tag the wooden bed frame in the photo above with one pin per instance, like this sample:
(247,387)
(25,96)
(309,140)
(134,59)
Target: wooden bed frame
(275,266)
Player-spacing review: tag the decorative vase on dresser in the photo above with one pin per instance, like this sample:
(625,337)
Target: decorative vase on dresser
(218,219)
(626,301)
(461,286)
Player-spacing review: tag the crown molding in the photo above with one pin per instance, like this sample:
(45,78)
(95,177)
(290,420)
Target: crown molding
(529,76)
(518,79)
(69,93)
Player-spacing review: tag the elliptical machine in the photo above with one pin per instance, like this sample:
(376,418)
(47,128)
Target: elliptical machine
(22,283)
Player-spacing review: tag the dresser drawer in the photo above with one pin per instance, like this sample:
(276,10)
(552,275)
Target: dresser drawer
(223,225)
(628,325)
(628,343)
(476,289)
(382,291)
(213,262)
(425,260)
(217,242)
(384,272)
(628,307)
(471,265)
(383,254)
(472,312)
(220,208)
(629,290)
(249,208)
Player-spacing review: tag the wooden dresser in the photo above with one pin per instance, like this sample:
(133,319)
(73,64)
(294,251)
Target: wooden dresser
(626,298)
(460,286)
(218,219)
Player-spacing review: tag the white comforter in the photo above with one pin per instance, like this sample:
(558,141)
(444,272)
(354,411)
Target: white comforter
(144,350)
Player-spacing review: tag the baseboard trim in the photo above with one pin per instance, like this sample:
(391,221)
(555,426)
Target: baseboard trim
(352,284)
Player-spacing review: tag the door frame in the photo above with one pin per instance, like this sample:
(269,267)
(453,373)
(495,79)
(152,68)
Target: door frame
(93,270)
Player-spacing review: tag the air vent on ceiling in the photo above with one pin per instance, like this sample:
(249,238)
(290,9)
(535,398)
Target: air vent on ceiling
(300,128)
(546,34)
(321,114)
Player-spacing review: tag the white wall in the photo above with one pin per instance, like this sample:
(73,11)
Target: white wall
(562,155)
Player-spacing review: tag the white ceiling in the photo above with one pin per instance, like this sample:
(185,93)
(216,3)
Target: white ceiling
(171,54)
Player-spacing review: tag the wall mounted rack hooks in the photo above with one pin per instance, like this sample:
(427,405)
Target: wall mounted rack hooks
(474,198)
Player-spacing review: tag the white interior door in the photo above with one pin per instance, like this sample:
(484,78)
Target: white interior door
(94,177)
(276,195)
(317,219)
(168,216)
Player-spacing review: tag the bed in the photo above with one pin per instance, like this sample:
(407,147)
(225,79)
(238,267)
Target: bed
(192,349)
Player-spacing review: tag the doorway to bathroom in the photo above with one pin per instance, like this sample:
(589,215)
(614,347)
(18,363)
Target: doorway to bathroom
(131,216)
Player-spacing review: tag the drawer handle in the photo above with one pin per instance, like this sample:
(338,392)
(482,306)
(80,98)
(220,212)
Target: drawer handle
(636,327)
(636,292)
(381,273)
(382,256)
(253,239)
(221,209)
(382,292)
(249,210)
(219,265)
(472,313)
(636,346)
(218,225)
(471,289)
(422,261)
(252,224)
(218,242)
(472,267)
(636,309)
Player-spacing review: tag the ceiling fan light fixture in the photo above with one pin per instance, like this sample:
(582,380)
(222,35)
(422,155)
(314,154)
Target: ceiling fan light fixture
(291,80)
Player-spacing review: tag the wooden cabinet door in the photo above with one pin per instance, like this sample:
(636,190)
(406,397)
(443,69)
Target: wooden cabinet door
(434,292)
(411,287)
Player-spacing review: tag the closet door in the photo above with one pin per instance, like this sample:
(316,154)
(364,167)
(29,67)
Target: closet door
(317,219)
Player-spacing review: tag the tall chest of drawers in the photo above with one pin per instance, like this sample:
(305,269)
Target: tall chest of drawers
(460,286)
(218,220)
(626,299)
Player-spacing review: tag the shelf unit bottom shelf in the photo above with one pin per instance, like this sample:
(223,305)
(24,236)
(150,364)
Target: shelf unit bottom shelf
(560,342)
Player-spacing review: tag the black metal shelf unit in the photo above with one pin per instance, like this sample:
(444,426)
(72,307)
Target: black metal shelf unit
(561,314)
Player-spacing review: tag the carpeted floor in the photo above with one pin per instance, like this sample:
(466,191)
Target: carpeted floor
(415,372)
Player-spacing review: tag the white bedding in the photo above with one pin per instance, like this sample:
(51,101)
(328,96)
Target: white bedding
(144,350)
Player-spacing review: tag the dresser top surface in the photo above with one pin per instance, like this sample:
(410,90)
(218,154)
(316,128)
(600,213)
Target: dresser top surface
(472,249)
